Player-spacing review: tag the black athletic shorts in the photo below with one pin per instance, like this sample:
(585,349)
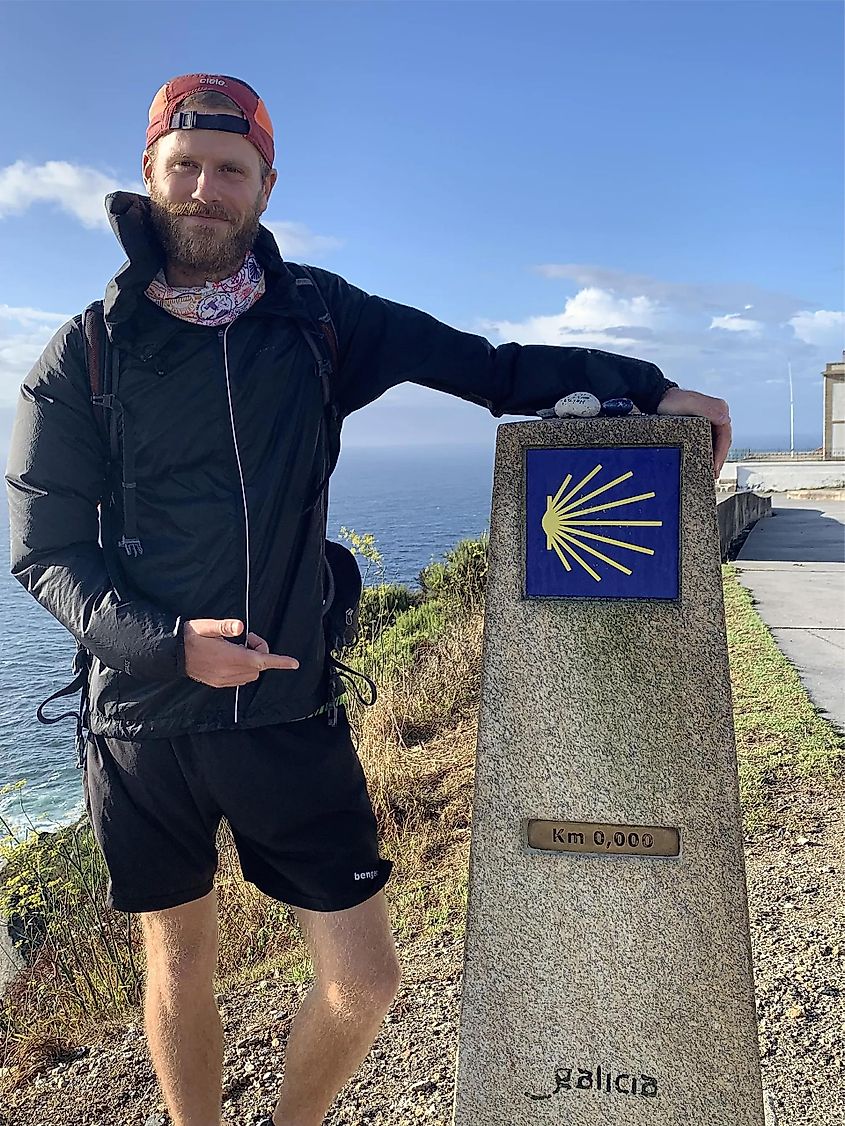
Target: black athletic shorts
(294,795)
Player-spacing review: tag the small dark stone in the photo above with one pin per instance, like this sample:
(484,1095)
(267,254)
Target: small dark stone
(615,408)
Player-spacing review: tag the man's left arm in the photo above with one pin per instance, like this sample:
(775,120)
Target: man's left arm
(383,343)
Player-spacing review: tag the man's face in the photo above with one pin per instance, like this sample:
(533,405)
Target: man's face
(207,198)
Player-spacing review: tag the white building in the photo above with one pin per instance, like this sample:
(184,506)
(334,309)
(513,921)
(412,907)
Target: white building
(834,410)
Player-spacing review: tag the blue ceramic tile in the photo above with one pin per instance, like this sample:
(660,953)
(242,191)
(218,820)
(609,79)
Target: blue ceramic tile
(603,523)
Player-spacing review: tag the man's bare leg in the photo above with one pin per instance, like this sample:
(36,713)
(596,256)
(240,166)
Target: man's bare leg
(356,978)
(181,1017)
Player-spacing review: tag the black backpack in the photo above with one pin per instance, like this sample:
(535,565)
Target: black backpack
(342,585)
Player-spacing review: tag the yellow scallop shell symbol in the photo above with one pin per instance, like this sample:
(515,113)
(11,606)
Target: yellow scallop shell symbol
(564,524)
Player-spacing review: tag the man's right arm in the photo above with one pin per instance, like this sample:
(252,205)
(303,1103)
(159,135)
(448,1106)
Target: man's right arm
(55,479)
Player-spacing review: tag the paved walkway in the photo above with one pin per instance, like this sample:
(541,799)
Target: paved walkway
(794,565)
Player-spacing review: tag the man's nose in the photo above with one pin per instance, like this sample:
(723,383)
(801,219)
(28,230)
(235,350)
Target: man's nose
(207,188)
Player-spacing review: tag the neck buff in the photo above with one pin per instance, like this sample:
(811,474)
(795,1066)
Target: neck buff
(215,303)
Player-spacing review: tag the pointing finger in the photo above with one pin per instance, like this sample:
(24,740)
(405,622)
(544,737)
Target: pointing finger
(264,661)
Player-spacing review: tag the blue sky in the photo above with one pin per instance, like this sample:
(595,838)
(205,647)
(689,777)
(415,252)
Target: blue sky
(657,179)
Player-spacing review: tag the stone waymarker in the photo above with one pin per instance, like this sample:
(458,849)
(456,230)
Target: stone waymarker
(608,969)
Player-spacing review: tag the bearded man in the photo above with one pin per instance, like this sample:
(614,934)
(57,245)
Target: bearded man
(207,685)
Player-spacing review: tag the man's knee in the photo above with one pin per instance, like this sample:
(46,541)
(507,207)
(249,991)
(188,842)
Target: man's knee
(181,942)
(367,989)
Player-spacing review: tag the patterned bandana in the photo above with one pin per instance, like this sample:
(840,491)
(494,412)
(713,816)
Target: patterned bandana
(215,303)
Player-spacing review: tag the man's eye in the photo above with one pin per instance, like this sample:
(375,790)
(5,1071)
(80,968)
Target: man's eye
(230,168)
(184,164)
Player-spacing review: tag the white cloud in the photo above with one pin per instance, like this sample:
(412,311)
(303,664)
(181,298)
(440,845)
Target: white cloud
(734,322)
(693,297)
(593,316)
(73,188)
(32,316)
(824,328)
(296,241)
(595,308)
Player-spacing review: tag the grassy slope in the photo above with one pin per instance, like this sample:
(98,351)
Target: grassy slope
(778,731)
(417,747)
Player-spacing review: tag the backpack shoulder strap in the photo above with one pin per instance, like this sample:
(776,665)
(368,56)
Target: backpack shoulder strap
(93,332)
(101,363)
(98,360)
(324,319)
(321,337)
(326,336)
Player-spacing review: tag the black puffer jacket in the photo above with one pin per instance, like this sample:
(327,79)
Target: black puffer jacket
(228,448)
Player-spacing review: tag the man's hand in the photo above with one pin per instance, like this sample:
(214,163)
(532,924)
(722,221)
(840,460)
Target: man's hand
(677,401)
(212,660)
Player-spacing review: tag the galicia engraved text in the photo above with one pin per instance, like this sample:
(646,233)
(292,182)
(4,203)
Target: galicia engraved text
(600,1079)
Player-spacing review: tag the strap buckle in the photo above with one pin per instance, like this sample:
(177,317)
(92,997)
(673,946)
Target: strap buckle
(184,119)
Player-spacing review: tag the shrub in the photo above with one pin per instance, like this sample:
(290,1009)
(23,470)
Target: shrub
(461,578)
(381,606)
(81,957)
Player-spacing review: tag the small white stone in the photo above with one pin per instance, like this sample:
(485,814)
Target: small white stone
(580,404)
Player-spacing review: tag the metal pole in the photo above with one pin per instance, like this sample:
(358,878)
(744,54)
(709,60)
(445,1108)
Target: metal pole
(791,414)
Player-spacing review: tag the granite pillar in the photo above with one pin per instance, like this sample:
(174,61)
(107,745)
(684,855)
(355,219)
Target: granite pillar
(608,973)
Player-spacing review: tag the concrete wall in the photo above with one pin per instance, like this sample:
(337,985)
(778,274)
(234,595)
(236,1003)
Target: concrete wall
(783,476)
(737,512)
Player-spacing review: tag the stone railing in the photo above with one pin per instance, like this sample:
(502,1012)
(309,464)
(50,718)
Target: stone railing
(736,513)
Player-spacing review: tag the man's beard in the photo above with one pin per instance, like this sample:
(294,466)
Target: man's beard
(216,251)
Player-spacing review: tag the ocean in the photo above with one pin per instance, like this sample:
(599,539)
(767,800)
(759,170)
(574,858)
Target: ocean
(417,502)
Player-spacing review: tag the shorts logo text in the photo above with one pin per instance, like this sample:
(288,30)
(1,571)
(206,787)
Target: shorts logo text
(365,875)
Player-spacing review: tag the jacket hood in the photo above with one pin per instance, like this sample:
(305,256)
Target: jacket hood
(130,219)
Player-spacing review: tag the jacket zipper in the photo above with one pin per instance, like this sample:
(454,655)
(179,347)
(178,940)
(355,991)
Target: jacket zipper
(223,334)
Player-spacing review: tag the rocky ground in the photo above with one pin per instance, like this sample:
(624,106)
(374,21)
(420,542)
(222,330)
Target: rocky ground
(797,902)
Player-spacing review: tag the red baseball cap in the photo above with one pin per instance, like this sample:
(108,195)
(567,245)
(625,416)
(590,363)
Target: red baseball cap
(255,125)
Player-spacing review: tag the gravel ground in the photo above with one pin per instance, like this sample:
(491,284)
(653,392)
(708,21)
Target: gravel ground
(798,932)
(408,1076)
(797,904)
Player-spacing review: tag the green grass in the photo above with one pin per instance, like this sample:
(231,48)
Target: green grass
(779,733)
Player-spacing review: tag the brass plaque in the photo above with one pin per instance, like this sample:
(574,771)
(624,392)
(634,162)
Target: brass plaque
(616,840)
